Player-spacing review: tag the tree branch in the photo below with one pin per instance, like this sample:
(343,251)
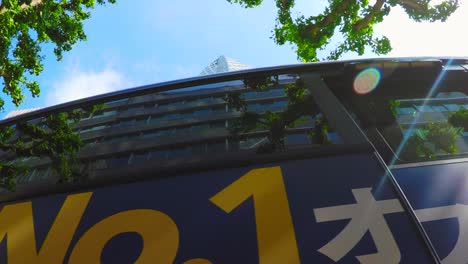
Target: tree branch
(413,4)
(334,13)
(362,23)
(3,9)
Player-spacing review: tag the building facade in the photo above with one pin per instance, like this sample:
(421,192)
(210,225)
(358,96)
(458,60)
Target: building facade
(157,126)
(135,134)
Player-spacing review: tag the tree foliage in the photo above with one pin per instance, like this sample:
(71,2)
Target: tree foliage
(52,138)
(459,118)
(25,27)
(300,105)
(434,138)
(431,140)
(354,20)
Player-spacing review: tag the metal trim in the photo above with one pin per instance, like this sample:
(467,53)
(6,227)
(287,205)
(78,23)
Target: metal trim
(406,204)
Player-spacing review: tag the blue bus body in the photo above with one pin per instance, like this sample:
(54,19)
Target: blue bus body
(354,200)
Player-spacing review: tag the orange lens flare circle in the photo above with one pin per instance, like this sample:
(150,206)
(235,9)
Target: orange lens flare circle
(366,81)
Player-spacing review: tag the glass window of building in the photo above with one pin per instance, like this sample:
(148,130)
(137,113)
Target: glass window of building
(118,161)
(135,108)
(150,105)
(406,110)
(199,127)
(216,147)
(157,155)
(104,113)
(151,134)
(298,139)
(126,122)
(197,124)
(116,102)
(439,108)
(198,149)
(94,128)
(452,107)
(424,108)
(179,152)
(252,142)
(139,157)
(34,175)
(220,124)
(202,112)
(274,92)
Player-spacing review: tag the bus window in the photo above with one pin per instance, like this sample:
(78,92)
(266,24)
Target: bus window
(267,113)
(419,110)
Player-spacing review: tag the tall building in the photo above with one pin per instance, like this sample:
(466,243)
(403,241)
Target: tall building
(20,112)
(134,133)
(162,125)
(223,64)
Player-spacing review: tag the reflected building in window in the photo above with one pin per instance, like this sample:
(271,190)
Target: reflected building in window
(134,135)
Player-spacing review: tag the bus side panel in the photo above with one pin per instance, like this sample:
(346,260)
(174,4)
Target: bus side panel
(328,210)
(439,196)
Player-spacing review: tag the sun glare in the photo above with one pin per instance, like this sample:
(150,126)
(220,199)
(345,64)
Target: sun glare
(366,81)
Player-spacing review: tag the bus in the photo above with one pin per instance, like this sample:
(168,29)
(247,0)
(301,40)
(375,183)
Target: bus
(359,161)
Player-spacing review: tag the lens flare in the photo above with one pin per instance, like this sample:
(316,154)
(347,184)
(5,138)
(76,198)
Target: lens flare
(366,81)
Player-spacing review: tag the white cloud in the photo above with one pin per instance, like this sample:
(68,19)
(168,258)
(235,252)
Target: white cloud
(77,84)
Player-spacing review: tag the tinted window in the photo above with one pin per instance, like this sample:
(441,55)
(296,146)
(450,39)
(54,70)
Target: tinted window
(418,109)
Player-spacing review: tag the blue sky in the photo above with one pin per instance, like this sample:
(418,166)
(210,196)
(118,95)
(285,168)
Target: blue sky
(141,42)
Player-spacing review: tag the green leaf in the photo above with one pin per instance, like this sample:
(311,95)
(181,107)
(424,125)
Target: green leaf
(354,20)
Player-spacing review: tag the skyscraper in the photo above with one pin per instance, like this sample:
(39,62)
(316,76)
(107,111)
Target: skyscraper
(223,64)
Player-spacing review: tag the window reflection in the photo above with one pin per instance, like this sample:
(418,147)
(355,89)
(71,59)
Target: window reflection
(199,122)
(408,114)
